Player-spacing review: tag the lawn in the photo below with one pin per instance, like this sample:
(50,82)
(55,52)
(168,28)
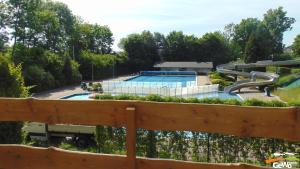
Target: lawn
(289,95)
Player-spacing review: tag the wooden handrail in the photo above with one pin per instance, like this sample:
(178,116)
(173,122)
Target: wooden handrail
(283,123)
(269,122)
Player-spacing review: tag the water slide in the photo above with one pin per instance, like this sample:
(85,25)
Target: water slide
(264,77)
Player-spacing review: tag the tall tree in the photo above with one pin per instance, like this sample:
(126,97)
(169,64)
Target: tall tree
(214,48)
(259,45)
(4,18)
(277,22)
(243,30)
(141,49)
(296,46)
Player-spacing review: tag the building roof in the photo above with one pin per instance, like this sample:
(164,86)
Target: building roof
(208,65)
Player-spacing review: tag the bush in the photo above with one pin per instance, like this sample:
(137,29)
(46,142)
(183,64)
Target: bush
(157,98)
(97,87)
(284,71)
(39,78)
(221,82)
(11,85)
(295,71)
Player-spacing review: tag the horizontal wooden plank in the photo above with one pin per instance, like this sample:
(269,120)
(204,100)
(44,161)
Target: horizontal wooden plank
(146,163)
(242,121)
(283,123)
(63,111)
(24,157)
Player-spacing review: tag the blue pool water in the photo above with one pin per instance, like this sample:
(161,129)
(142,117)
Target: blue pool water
(294,84)
(80,96)
(220,95)
(183,81)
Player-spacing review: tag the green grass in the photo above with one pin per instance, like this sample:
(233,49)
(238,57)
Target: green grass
(292,96)
(157,98)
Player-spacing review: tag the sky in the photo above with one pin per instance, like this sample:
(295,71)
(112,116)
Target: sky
(196,17)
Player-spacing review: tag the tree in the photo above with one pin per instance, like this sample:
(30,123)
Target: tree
(141,49)
(70,70)
(296,46)
(95,38)
(277,23)
(4,18)
(214,48)
(258,46)
(243,30)
(180,47)
(11,85)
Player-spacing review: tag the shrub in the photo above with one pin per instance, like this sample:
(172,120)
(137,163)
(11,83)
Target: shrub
(157,98)
(295,71)
(97,87)
(284,71)
(221,82)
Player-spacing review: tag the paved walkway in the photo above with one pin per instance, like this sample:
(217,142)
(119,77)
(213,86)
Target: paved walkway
(203,80)
(251,93)
(59,92)
(68,90)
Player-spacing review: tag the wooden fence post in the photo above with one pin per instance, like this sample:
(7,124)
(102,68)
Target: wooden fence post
(131,137)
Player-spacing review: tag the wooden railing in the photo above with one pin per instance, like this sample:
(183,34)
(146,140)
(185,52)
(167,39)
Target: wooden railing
(282,123)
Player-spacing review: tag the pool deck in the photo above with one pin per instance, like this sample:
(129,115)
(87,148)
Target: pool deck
(203,80)
(69,90)
(250,93)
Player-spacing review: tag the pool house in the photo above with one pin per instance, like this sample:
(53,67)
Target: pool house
(199,67)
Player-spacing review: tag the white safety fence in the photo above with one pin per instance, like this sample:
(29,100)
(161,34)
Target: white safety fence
(159,88)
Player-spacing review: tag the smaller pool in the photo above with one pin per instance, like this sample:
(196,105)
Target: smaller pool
(294,84)
(220,95)
(80,96)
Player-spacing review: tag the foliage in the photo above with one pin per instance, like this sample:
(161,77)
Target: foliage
(97,87)
(221,79)
(12,82)
(258,45)
(260,39)
(142,50)
(11,85)
(214,48)
(277,22)
(296,46)
(71,72)
(98,65)
(157,98)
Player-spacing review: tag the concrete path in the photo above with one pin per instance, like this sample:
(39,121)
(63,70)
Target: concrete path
(69,90)
(251,93)
(59,92)
(203,80)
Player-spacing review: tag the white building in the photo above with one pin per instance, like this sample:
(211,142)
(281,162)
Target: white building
(199,67)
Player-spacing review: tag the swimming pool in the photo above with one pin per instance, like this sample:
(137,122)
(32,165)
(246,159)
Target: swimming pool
(160,80)
(294,84)
(79,96)
(220,95)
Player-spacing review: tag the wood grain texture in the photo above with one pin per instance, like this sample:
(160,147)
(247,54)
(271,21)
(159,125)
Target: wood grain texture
(23,157)
(131,138)
(147,163)
(283,123)
(63,111)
